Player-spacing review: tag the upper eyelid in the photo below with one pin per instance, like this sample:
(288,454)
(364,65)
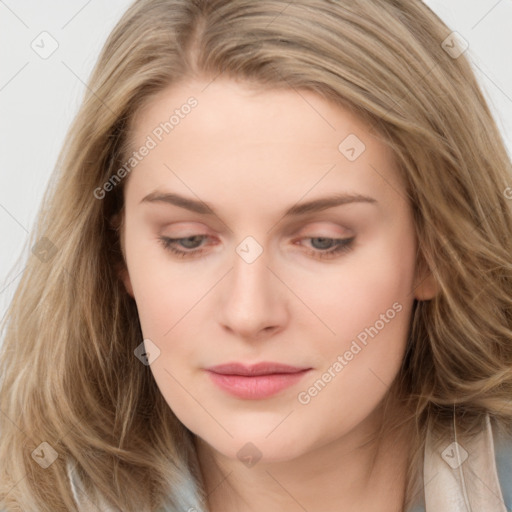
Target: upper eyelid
(313,225)
(321,220)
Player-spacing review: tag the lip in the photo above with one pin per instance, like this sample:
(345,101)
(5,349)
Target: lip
(255,382)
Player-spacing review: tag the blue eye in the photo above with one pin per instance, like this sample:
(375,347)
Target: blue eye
(170,245)
(334,246)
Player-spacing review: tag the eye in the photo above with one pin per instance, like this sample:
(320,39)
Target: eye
(170,245)
(334,246)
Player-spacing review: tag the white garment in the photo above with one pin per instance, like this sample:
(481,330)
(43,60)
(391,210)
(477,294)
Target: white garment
(462,478)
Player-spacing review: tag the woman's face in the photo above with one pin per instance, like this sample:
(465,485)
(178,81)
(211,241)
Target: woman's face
(253,283)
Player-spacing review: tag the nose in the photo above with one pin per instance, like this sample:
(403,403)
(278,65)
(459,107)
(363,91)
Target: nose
(253,300)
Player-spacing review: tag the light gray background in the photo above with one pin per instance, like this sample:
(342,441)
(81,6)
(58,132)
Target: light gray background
(39,97)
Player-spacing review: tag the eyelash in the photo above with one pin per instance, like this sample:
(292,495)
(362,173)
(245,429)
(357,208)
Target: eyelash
(343,245)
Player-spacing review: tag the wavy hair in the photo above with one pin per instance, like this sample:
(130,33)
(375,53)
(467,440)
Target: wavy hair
(69,376)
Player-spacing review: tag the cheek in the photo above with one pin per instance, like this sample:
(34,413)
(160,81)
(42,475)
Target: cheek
(369,309)
(163,291)
(375,280)
(368,305)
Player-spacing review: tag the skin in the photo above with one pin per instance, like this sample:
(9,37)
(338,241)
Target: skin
(250,154)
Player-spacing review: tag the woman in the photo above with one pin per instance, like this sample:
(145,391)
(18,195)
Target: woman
(274,265)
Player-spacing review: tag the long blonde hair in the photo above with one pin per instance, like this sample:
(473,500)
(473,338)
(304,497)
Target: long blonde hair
(69,374)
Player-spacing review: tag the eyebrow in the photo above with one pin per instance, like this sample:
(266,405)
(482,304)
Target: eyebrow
(297,209)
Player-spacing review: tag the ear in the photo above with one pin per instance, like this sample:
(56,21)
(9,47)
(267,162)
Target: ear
(125,278)
(116,224)
(425,284)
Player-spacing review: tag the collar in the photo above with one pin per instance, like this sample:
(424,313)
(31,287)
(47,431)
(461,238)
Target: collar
(468,476)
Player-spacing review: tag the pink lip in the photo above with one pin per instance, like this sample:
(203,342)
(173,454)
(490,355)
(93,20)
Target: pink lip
(256,381)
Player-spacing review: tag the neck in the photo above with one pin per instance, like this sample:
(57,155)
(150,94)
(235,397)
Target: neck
(355,472)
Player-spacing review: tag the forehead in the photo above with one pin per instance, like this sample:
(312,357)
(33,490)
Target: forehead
(239,140)
(290,115)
